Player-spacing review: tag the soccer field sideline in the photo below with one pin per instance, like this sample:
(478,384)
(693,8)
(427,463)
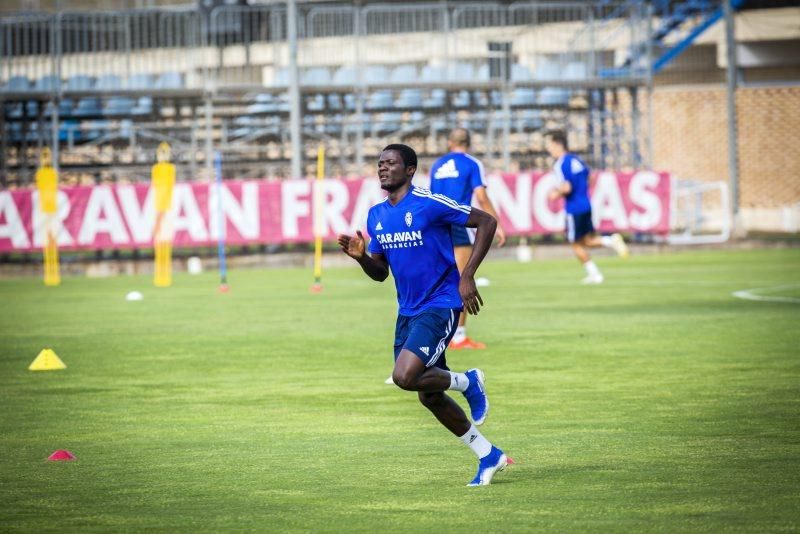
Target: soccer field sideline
(657,401)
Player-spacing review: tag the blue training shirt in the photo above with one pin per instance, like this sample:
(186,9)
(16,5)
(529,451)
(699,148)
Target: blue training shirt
(414,236)
(456,175)
(569,167)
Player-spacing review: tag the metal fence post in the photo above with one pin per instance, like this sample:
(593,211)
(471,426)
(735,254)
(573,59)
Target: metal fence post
(733,141)
(294,91)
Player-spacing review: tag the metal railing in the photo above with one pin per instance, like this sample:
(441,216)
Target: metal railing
(246,45)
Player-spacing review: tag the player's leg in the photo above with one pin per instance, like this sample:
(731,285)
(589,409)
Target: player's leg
(418,368)
(580,232)
(613,241)
(462,249)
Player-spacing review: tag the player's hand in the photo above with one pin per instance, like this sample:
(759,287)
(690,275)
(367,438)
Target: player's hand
(554,194)
(469,295)
(500,235)
(353,246)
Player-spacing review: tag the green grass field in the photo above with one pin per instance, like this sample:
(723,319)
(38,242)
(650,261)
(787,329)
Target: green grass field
(655,402)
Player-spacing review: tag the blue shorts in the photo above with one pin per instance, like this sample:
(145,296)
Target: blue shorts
(462,236)
(427,335)
(579,225)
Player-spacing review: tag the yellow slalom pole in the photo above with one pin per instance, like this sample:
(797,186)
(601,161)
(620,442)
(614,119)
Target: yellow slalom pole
(47,184)
(163,182)
(318,206)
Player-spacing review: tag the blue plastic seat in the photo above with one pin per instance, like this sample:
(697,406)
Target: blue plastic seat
(119,106)
(375,74)
(18,83)
(529,119)
(387,122)
(108,82)
(65,107)
(334,101)
(140,81)
(461,99)
(380,100)
(316,103)
(349,101)
(436,100)
(47,83)
(345,76)
(552,96)
(409,98)
(316,76)
(79,82)
(144,106)
(403,74)
(432,74)
(482,74)
(523,96)
(281,78)
(87,107)
(169,80)
(465,71)
(520,73)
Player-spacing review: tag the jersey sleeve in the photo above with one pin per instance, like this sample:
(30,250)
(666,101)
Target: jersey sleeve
(477,177)
(445,210)
(374,246)
(571,169)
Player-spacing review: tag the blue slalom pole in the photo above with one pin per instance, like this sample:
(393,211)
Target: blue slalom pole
(223,268)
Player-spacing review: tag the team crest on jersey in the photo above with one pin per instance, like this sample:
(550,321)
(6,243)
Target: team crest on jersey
(409,219)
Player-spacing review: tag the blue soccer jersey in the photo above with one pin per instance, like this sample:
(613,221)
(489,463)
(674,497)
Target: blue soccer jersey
(570,168)
(456,175)
(414,237)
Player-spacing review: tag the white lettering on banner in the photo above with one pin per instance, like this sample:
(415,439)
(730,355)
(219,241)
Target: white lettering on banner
(187,213)
(40,220)
(292,207)
(369,195)
(607,201)
(337,197)
(642,196)
(551,221)
(11,226)
(141,219)
(102,216)
(518,210)
(245,216)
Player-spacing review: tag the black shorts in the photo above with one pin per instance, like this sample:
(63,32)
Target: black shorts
(462,236)
(579,225)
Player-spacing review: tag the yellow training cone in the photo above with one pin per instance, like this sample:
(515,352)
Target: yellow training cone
(47,360)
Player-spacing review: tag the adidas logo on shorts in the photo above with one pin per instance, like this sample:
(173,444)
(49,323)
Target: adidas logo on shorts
(426,350)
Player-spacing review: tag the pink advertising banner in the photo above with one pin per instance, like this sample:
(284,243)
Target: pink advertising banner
(269,211)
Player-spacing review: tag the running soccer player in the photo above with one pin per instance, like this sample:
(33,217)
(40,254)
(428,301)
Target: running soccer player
(459,176)
(574,188)
(410,233)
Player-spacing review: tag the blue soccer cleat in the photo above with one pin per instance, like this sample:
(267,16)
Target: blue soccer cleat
(489,465)
(476,396)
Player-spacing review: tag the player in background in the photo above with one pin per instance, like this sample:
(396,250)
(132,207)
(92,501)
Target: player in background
(574,188)
(459,176)
(410,232)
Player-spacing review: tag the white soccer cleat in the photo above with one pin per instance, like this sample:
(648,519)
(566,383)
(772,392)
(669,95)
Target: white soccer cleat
(593,279)
(619,246)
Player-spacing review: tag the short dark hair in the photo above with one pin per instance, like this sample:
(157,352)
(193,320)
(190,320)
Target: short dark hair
(406,152)
(558,136)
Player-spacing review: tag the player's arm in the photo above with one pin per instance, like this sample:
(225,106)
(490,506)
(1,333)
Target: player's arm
(375,265)
(486,205)
(486,226)
(562,190)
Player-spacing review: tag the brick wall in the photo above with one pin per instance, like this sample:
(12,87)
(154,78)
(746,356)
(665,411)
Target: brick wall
(690,139)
